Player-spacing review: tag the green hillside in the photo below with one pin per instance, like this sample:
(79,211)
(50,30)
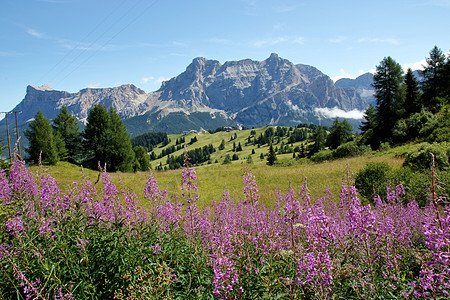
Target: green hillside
(215,177)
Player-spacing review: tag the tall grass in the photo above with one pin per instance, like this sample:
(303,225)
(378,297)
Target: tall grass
(95,241)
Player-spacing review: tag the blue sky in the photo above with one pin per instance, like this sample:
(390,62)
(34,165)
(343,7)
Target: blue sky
(74,44)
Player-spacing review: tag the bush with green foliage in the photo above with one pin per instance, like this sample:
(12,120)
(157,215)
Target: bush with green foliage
(42,143)
(227,160)
(96,242)
(350,149)
(371,180)
(420,159)
(142,159)
(322,155)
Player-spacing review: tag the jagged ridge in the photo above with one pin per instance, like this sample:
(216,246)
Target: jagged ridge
(208,93)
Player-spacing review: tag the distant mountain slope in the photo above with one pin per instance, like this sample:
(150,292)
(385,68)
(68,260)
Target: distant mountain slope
(209,94)
(362,85)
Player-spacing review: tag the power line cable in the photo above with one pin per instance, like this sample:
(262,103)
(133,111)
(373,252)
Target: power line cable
(82,40)
(109,40)
(94,42)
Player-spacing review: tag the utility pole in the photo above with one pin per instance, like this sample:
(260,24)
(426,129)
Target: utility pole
(17,132)
(7,133)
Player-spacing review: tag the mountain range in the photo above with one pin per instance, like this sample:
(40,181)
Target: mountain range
(209,94)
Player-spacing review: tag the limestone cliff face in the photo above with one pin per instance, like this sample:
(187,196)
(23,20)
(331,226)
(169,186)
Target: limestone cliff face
(255,92)
(359,87)
(43,98)
(128,100)
(208,94)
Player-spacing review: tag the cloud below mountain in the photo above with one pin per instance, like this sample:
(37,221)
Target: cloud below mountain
(336,112)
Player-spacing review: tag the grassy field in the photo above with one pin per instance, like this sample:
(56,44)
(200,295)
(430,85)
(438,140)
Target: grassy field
(213,179)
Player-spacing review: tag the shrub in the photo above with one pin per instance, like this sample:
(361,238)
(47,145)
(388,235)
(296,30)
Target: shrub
(372,179)
(322,155)
(227,160)
(415,184)
(420,159)
(350,149)
(384,146)
(96,242)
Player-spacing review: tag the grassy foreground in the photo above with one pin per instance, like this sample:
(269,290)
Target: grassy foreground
(98,243)
(214,179)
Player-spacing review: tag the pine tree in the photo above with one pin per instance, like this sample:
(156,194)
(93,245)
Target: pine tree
(222,145)
(142,158)
(96,132)
(120,154)
(368,126)
(412,94)
(40,137)
(106,140)
(445,80)
(432,85)
(389,96)
(319,139)
(271,156)
(340,132)
(67,135)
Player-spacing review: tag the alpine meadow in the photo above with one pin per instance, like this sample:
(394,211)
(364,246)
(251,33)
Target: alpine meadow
(229,200)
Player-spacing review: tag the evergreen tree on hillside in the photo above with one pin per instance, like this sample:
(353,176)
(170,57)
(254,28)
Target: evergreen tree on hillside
(445,81)
(96,132)
(107,141)
(40,137)
(318,138)
(389,96)
(222,145)
(120,152)
(67,135)
(271,156)
(432,85)
(340,132)
(368,126)
(412,94)
(142,158)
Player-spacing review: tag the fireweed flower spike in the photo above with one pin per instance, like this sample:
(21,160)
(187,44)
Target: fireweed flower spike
(64,243)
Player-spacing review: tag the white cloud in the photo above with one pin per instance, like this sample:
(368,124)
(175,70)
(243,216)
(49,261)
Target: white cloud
(220,41)
(278,40)
(144,80)
(285,8)
(93,85)
(337,39)
(379,40)
(337,112)
(54,1)
(415,66)
(36,33)
(161,79)
(343,74)
(153,80)
(442,3)
(420,64)
(10,54)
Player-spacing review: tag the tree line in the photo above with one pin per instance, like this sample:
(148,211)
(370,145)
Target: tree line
(408,108)
(104,141)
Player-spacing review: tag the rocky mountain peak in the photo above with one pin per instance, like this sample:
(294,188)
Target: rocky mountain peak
(45,87)
(209,94)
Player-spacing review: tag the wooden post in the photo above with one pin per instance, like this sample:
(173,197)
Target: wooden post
(7,133)
(17,132)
